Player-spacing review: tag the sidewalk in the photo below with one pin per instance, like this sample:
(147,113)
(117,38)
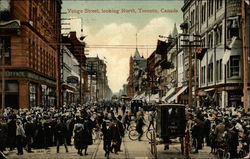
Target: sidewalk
(51,153)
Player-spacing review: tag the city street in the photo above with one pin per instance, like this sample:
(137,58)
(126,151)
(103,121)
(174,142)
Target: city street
(130,150)
(71,70)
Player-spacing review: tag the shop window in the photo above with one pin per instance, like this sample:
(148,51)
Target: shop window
(44,95)
(32,89)
(6,49)
(234,66)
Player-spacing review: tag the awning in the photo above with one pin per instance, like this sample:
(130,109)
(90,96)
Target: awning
(177,94)
(209,89)
(135,97)
(227,54)
(226,57)
(141,96)
(154,97)
(68,87)
(169,94)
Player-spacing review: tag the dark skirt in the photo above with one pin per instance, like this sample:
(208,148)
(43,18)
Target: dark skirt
(80,140)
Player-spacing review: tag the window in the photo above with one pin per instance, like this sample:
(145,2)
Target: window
(210,73)
(203,75)
(219,70)
(219,35)
(233,27)
(203,42)
(212,7)
(210,40)
(192,18)
(202,8)
(32,89)
(218,4)
(5,47)
(205,9)
(197,14)
(5,11)
(235,66)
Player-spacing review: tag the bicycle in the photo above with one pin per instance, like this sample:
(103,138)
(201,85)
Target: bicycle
(96,134)
(133,134)
(222,152)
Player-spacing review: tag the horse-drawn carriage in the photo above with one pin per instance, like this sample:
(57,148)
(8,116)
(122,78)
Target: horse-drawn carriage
(135,105)
(170,124)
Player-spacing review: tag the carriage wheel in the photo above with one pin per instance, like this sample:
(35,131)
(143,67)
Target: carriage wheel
(148,133)
(133,135)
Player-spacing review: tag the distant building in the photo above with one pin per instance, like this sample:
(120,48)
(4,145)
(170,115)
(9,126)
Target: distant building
(137,75)
(97,80)
(71,25)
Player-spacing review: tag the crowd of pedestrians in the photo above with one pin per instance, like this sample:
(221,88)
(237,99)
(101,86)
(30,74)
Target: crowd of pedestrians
(41,128)
(226,129)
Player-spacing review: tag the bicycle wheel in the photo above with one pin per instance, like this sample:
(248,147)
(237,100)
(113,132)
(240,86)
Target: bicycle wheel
(227,156)
(133,135)
(131,127)
(148,133)
(94,136)
(219,153)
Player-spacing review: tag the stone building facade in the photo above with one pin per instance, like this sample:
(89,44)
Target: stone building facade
(219,70)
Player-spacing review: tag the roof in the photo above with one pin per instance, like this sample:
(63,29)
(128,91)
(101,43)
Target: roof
(137,55)
(175,32)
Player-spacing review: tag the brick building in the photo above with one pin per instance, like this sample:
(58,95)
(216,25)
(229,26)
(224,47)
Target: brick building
(29,38)
(136,79)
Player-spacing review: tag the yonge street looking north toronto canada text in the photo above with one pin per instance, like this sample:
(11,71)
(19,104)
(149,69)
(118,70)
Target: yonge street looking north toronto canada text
(128,79)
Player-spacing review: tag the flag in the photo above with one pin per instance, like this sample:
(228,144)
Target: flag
(166,65)
(200,53)
(161,47)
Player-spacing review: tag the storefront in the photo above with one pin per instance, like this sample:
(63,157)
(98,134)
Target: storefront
(48,96)
(24,89)
(11,94)
(70,94)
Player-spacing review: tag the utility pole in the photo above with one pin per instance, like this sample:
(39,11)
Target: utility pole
(195,79)
(190,96)
(91,71)
(244,55)
(191,39)
(80,92)
(3,76)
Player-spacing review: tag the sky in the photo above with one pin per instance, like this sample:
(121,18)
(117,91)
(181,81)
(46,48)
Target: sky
(110,27)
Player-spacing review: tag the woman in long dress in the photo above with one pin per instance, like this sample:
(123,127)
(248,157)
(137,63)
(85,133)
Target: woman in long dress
(79,136)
